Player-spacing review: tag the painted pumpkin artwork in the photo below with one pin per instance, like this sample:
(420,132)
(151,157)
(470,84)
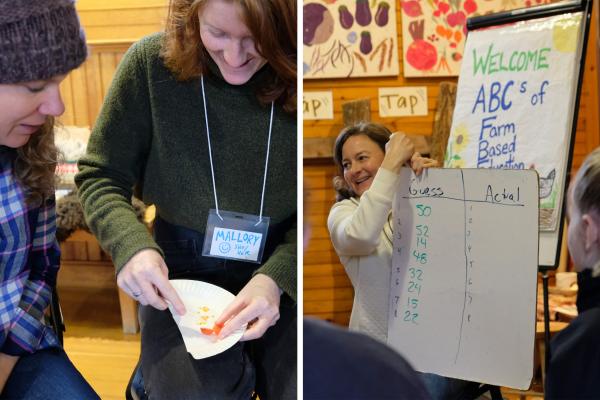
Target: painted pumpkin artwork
(434,32)
(350,38)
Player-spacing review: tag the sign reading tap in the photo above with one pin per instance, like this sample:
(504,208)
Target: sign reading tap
(402,101)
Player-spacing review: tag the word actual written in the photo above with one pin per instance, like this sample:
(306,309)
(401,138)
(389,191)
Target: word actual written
(505,196)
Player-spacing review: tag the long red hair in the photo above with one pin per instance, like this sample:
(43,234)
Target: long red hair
(273,27)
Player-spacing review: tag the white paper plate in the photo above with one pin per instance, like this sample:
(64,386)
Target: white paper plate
(203,302)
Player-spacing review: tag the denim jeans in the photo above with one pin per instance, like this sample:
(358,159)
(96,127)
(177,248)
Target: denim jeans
(47,374)
(266,365)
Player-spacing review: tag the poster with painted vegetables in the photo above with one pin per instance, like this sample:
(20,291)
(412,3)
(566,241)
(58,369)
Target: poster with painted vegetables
(433,32)
(514,104)
(350,38)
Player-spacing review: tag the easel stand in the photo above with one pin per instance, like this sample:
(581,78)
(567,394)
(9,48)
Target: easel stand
(546,318)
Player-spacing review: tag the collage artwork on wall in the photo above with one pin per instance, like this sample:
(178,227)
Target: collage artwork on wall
(358,38)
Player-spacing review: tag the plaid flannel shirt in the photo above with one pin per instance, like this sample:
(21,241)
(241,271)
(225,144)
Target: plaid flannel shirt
(29,262)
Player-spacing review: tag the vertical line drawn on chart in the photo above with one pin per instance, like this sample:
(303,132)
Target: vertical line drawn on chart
(462,319)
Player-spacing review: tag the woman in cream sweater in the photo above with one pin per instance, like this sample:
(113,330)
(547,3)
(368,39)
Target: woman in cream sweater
(369,158)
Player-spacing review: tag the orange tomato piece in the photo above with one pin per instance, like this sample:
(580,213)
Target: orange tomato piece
(215,330)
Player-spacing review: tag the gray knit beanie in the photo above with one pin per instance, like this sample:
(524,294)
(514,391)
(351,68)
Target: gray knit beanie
(39,39)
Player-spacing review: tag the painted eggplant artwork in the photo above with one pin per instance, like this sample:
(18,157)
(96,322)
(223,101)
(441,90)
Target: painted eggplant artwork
(350,38)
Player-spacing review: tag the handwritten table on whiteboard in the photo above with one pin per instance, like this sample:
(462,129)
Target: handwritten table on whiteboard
(464,273)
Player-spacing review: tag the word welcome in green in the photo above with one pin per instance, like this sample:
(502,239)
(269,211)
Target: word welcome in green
(519,60)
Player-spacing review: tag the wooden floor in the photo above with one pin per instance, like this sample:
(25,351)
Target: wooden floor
(510,394)
(106,364)
(95,342)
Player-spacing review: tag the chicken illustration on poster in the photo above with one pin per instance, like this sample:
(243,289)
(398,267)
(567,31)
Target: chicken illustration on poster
(349,38)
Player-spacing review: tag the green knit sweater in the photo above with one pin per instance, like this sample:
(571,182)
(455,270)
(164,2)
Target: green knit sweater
(150,137)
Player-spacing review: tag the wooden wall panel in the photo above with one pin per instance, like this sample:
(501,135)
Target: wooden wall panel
(111,27)
(121,19)
(322,270)
(84,89)
(328,292)
(588,134)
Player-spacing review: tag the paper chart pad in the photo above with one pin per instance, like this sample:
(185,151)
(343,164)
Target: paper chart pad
(464,273)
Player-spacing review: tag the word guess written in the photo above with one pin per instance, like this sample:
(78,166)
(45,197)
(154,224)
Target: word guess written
(424,191)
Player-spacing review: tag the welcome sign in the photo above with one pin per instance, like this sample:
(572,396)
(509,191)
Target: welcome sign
(514,103)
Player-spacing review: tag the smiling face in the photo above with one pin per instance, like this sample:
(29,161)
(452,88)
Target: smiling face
(228,41)
(24,108)
(361,159)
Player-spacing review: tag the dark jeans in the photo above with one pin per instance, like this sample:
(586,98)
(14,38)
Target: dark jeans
(443,388)
(266,365)
(47,374)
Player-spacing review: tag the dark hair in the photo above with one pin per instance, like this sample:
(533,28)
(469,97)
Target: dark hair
(35,165)
(376,132)
(586,192)
(273,27)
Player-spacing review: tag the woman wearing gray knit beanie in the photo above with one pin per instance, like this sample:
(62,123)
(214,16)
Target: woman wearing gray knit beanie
(40,42)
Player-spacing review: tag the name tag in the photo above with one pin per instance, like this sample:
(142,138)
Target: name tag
(231,243)
(235,236)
